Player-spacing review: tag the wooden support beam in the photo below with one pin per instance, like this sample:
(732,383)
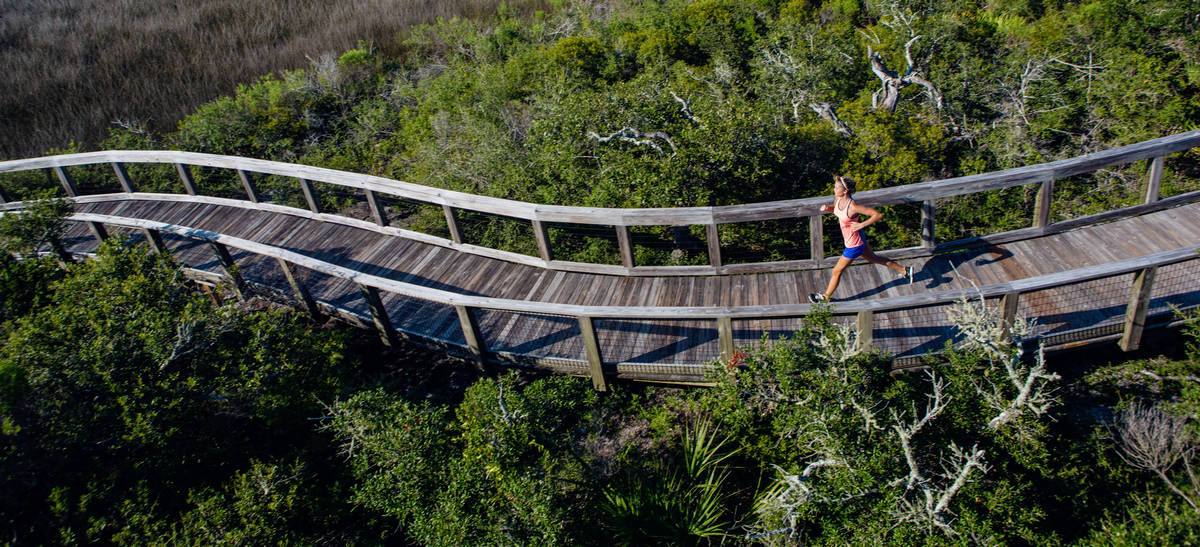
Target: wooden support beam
(387,333)
(185,174)
(714,246)
(587,331)
(67,182)
(303,298)
(231,269)
(98,231)
(60,251)
(376,210)
(1041,208)
(625,243)
(123,177)
(473,336)
(725,337)
(452,223)
(310,196)
(251,190)
(1154,180)
(155,241)
(543,240)
(1008,311)
(927,212)
(3,196)
(1135,311)
(866,329)
(816,239)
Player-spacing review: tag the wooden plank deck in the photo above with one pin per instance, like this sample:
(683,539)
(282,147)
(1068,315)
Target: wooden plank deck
(673,347)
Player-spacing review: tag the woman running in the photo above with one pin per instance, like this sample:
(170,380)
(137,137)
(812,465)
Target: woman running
(856,245)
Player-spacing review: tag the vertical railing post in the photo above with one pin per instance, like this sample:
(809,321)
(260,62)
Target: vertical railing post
(1154,180)
(1008,312)
(591,346)
(928,208)
(376,210)
(231,269)
(725,337)
(67,182)
(303,297)
(816,236)
(387,333)
(1041,208)
(185,174)
(155,241)
(251,191)
(98,231)
(625,243)
(123,177)
(473,336)
(714,246)
(310,196)
(452,223)
(543,240)
(1135,311)
(64,257)
(866,330)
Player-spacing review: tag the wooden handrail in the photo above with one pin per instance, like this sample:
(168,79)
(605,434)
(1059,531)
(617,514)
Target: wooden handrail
(538,214)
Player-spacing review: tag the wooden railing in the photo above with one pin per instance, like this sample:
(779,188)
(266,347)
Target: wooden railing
(721,317)
(620,220)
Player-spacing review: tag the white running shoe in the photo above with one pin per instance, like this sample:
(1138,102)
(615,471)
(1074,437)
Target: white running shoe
(816,297)
(908,274)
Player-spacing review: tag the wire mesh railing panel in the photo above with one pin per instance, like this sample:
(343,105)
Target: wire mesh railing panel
(281,190)
(590,243)
(1180,174)
(423,318)
(900,227)
(765,241)
(530,338)
(1092,193)
(23,185)
(752,332)
(262,270)
(669,245)
(334,291)
(917,331)
(1078,311)
(983,213)
(155,178)
(192,253)
(93,179)
(77,238)
(1175,285)
(643,341)
(497,232)
(219,183)
(417,216)
(342,200)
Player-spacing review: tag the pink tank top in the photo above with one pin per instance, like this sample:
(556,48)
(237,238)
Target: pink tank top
(851,237)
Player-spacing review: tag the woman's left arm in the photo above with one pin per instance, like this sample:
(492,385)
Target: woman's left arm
(857,209)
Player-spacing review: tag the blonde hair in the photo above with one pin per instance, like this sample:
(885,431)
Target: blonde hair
(847,182)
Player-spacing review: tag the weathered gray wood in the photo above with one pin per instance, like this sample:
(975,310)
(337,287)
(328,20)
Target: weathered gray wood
(310,196)
(387,332)
(155,241)
(1041,208)
(725,337)
(185,174)
(1135,311)
(376,210)
(625,243)
(865,326)
(98,231)
(251,190)
(543,240)
(816,239)
(123,177)
(303,298)
(591,346)
(452,223)
(64,257)
(231,270)
(928,207)
(1008,311)
(67,182)
(473,336)
(714,246)
(1154,180)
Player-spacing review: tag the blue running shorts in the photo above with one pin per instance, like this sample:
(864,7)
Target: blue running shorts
(854,252)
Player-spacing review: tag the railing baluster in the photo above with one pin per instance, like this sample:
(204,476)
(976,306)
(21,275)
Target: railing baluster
(1135,311)
(251,191)
(543,240)
(387,333)
(452,223)
(185,174)
(376,210)
(473,336)
(714,246)
(155,241)
(591,346)
(309,195)
(626,245)
(725,337)
(123,176)
(866,330)
(1041,209)
(1008,311)
(928,208)
(98,231)
(303,297)
(67,182)
(816,239)
(231,269)
(1154,180)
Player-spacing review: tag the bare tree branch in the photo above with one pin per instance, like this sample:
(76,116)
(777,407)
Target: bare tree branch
(631,135)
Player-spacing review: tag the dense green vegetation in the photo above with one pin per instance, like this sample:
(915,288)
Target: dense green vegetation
(135,411)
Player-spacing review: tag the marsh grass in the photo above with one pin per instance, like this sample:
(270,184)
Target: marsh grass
(73,68)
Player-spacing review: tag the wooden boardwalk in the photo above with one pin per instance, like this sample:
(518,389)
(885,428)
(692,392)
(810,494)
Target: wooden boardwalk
(681,348)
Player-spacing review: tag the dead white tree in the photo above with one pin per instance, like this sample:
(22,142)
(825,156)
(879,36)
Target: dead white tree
(1150,439)
(933,507)
(888,94)
(799,77)
(634,136)
(1034,391)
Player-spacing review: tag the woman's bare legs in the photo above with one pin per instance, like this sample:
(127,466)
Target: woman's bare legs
(873,258)
(836,275)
